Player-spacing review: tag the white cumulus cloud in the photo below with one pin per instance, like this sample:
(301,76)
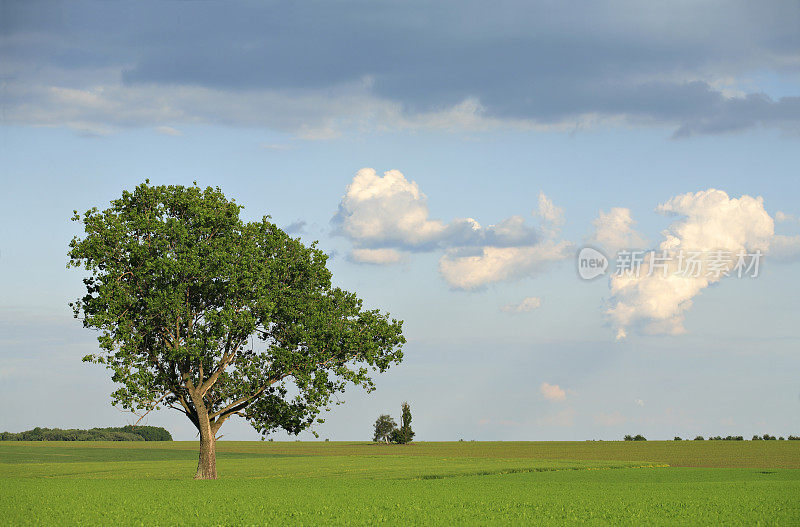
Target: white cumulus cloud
(547,210)
(710,221)
(388,211)
(500,264)
(552,392)
(614,230)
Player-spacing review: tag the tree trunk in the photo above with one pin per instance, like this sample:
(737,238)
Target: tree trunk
(207,461)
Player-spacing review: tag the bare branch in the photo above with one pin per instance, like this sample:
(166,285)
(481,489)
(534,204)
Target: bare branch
(152,407)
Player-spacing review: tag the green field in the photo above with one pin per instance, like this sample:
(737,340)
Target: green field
(710,482)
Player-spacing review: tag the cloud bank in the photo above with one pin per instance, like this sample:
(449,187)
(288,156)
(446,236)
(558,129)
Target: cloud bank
(318,70)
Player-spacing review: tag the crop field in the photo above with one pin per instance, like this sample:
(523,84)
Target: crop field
(314,483)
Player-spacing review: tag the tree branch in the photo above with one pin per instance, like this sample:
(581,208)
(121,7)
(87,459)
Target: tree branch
(242,402)
(226,359)
(190,412)
(152,407)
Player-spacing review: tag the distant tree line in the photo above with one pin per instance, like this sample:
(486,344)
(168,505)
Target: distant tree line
(714,438)
(124,433)
(765,437)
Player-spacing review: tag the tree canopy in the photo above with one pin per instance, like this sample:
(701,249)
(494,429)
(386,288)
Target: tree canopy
(200,311)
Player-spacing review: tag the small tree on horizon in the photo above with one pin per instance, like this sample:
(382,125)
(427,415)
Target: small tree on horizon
(404,434)
(202,312)
(384,426)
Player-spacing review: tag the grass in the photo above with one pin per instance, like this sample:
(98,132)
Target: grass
(362,483)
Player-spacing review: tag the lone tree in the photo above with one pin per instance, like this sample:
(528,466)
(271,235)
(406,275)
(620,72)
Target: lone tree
(404,434)
(202,312)
(384,426)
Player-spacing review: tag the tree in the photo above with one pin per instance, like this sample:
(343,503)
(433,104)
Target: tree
(202,312)
(404,434)
(384,426)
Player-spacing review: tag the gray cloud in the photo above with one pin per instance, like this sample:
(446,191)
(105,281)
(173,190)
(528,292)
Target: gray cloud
(548,63)
(296,227)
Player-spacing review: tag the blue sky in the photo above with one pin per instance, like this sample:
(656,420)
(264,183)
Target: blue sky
(549,126)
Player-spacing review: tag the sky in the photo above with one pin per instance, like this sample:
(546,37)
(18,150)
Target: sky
(452,159)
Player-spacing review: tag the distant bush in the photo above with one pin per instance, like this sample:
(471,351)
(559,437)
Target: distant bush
(125,433)
(677,438)
(794,438)
(699,438)
(637,437)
